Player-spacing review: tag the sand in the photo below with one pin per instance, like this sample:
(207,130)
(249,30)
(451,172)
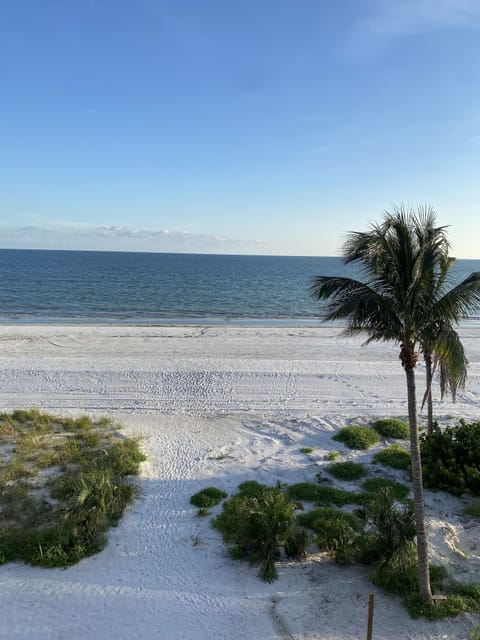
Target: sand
(216,406)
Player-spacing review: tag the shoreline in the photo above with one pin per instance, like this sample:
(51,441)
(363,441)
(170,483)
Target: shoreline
(214,406)
(186,321)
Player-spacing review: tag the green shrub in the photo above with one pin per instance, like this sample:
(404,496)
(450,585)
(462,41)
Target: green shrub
(396,576)
(357,437)
(346,470)
(453,605)
(473,509)
(337,537)
(392,428)
(451,458)
(9,539)
(208,497)
(373,486)
(332,495)
(310,518)
(395,456)
(333,455)
(257,525)
(390,527)
(308,491)
(399,575)
(296,542)
(251,488)
(402,579)
(475,633)
(335,531)
(306,450)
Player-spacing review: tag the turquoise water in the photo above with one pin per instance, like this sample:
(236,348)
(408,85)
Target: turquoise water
(159,288)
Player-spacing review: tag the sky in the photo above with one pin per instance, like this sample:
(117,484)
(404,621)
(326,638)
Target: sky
(219,126)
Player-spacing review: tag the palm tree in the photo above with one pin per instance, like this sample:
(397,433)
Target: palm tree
(441,345)
(443,351)
(401,259)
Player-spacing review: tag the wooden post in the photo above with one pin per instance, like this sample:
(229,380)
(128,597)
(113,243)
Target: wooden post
(370,616)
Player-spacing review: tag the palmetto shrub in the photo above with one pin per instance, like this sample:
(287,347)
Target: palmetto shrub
(258,527)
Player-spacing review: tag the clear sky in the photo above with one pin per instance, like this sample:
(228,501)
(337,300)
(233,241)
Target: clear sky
(225,126)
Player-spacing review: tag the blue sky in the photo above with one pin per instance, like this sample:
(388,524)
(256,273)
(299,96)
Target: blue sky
(261,126)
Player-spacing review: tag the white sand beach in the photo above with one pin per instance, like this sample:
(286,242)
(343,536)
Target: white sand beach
(216,406)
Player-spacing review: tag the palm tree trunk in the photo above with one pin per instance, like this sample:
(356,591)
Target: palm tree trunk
(428,370)
(409,359)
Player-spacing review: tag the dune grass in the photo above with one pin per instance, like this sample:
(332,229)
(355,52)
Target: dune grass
(357,437)
(63,483)
(347,470)
(395,456)
(392,428)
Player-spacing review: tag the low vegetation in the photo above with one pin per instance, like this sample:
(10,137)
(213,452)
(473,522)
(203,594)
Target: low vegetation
(258,525)
(208,497)
(392,428)
(346,470)
(306,450)
(63,483)
(357,437)
(451,458)
(373,486)
(403,581)
(473,509)
(333,455)
(373,525)
(395,456)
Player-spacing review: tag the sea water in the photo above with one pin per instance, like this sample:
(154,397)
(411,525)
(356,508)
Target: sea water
(165,288)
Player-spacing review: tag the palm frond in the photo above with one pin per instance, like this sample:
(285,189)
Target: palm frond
(460,301)
(358,303)
(451,360)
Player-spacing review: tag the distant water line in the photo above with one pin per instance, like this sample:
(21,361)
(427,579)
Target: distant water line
(84,287)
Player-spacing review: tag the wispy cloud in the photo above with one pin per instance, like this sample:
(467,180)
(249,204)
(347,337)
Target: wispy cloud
(394,18)
(390,19)
(123,238)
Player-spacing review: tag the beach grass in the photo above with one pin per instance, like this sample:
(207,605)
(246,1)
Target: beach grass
(347,470)
(357,437)
(63,483)
(392,428)
(394,456)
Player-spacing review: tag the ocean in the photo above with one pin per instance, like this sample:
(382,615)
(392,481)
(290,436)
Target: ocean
(165,288)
